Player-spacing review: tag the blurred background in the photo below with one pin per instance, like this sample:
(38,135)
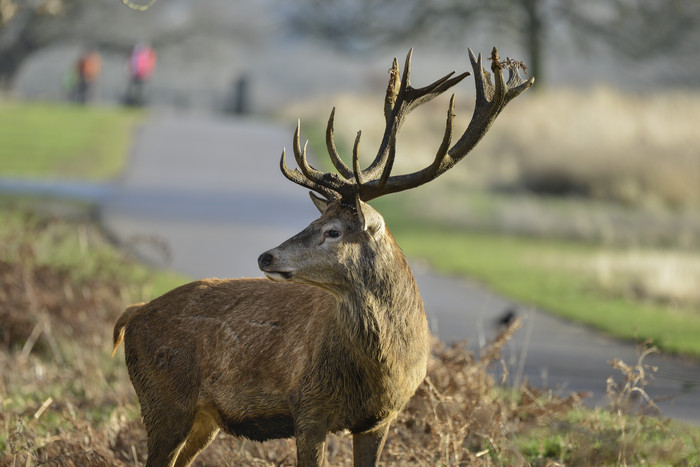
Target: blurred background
(611,117)
(287,52)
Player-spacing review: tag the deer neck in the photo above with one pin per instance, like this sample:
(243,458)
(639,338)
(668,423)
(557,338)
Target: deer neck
(382,312)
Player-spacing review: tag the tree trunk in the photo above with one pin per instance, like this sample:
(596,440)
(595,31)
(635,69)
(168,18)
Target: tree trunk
(11,60)
(534,39)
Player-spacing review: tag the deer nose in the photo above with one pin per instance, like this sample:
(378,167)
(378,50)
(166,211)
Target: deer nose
(265,260)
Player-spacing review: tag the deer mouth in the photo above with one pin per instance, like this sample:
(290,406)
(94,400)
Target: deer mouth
(266,263)
(278,276)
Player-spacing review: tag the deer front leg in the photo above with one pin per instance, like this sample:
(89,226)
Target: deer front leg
(367,446)
(311,447)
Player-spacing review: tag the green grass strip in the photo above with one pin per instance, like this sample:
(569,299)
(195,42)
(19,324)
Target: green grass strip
(65,141)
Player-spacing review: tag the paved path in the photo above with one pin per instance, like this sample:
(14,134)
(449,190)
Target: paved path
(211,191)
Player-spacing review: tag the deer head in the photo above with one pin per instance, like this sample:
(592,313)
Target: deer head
(347,222)
(342,236)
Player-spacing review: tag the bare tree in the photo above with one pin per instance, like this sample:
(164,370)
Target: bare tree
(638,28)
(109,27)
(25,27)
(633,28)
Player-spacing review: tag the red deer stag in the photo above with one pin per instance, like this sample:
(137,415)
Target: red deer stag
(337,340)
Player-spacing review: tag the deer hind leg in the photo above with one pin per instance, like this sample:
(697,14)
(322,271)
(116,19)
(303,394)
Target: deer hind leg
(164,447)
(202,433)
(367,446)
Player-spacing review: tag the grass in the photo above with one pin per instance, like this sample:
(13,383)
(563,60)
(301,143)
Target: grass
(82,252)
(599,438)
(65,141)
(66,402)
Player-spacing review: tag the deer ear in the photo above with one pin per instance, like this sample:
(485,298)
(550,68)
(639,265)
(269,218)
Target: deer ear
(370,220)
(320,203)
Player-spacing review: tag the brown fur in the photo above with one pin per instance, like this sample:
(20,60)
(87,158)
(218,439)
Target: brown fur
(342,344)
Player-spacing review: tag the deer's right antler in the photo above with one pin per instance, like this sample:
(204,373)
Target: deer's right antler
(376,180)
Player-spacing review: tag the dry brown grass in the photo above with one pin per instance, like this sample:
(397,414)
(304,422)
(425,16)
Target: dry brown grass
(632,149)
(640,275)
(661,276)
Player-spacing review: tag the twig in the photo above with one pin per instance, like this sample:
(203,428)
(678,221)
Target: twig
(43,408)
(31,340)
(133,453)
(523,353)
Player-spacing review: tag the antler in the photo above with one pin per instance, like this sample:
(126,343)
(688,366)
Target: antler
(376,180)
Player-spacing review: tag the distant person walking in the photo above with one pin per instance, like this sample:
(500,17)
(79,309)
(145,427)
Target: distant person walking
(142,63)
(87,70)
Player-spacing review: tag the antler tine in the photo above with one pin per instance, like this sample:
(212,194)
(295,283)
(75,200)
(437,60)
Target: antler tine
(329,185)
(300,156)
(356,161)
(395,112)
(501,86)
(392,89)
(406,76)
(446,138)
(429,92)
(478,68)
(299,178)
(338,163)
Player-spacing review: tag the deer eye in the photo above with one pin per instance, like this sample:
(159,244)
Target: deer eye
(331,233)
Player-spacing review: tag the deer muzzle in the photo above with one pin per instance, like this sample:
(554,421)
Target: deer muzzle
(266,263)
